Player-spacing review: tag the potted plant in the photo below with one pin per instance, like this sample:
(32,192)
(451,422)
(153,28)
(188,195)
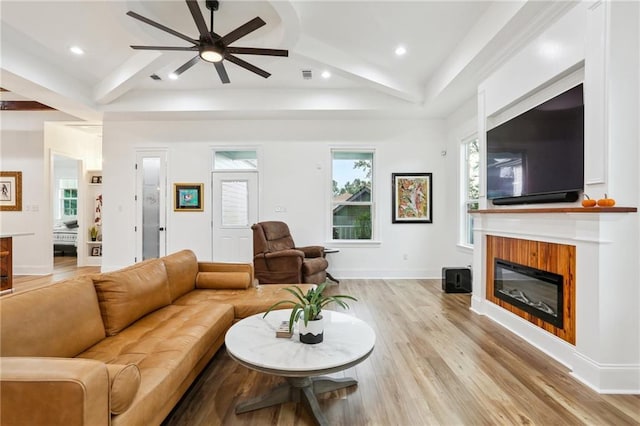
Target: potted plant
(308,307)
(93,233)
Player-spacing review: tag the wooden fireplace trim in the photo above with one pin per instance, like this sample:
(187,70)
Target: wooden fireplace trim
(557,258)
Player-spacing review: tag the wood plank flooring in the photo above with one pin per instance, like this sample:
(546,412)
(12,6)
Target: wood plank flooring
(435,363)
(63,267)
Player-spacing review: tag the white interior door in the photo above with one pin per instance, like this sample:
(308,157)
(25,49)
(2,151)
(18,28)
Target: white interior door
(235,209)
(151,195)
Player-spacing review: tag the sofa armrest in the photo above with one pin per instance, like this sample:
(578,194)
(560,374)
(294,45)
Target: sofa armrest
(54,391)
(226,267)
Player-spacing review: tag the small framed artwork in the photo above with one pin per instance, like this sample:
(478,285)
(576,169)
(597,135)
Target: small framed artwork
(96,251)
(11,191)
(96,179)
(411,197)
(188,197)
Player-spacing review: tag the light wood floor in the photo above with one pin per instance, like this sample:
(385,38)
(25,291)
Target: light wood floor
(63,267)
(435,363)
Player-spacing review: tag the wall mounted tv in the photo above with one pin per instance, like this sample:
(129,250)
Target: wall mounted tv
(538,156)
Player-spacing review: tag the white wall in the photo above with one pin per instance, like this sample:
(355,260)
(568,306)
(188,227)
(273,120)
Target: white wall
(22,149)
(294,174)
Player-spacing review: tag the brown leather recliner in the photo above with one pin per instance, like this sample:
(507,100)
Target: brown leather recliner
(276,259)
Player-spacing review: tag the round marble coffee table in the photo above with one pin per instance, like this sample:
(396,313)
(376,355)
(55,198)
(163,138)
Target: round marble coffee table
(252,342)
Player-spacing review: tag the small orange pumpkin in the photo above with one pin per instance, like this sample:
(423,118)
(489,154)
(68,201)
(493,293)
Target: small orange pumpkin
(606,202)
(588,202)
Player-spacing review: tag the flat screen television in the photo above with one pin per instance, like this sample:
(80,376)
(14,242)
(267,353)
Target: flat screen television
(538,156)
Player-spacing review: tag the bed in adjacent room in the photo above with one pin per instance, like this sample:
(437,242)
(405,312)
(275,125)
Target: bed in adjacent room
(65,238)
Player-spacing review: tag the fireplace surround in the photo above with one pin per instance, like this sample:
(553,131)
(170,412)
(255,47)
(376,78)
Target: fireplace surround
(599,343)
(551,262)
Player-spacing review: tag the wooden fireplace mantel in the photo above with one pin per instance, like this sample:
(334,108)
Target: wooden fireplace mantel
(559,210)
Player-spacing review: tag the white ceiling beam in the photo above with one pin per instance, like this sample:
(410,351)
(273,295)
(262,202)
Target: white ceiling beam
(259,100)
(31,76)
(349,66)
(127,75)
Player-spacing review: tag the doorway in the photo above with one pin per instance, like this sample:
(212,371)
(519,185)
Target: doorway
(235,209)
(66,201)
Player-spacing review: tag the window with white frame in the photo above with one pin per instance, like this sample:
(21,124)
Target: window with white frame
(470,188)
(352,195)
(68,198)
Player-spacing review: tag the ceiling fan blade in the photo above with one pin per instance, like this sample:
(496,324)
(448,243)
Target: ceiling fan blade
(191,62)
(161,27)
(257,51)
(196,13)
(242,31)
(192,48)
(246,65)
(222,72)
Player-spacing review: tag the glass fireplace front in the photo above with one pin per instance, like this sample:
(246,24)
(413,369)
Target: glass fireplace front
(532,290)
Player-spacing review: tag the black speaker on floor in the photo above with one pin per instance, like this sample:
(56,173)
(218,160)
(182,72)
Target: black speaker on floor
(456,280)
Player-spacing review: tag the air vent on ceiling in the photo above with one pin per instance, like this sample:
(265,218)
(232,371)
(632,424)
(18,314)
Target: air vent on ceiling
(306,74)
(155,77)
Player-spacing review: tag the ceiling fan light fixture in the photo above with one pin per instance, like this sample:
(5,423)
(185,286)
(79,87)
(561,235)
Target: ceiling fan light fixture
(211,54)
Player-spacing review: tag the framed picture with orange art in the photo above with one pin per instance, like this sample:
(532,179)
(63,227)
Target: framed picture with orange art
(411,198)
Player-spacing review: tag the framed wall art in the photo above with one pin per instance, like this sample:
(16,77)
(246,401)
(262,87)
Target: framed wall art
(11,191)
(411,198)
(188,197)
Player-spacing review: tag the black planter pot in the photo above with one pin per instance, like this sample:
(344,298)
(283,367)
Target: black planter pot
(311,333)
(311,339)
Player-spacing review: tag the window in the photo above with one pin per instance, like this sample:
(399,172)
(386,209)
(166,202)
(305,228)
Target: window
(68,196)
(235,203)
(470,192)
(352,195)
(235,160)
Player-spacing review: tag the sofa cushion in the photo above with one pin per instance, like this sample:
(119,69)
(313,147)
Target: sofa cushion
(166,345)
(124,382)
(59,320)
(221,280)
(247,302)
(182,268)
(131,293)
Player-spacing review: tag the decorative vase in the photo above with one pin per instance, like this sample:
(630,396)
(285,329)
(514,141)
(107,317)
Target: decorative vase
(311,333)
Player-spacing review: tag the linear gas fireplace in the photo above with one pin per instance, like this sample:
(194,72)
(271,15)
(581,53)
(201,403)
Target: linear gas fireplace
(532,290)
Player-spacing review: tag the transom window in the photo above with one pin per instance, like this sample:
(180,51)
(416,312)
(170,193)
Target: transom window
(352,195)
(235,160)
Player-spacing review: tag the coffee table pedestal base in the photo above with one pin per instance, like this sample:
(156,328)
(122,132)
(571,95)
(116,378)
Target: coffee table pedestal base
(298,389)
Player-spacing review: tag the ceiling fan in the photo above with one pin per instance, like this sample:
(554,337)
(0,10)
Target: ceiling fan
(210,46)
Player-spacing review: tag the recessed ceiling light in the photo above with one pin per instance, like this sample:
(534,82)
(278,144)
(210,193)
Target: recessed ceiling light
(325,74)
(401,50)
(76,50)
(173,76)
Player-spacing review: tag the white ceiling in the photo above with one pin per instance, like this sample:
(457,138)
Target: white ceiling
(451,46)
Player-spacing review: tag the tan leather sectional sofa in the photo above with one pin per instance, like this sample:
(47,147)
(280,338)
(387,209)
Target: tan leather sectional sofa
(122,347)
